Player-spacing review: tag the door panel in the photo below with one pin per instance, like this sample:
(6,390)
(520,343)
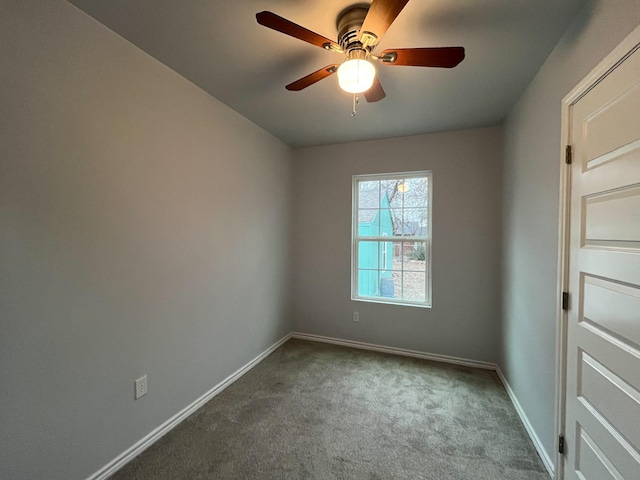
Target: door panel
(613,219)
(612,396)
(603,133)
(613,308)
(593,464)
(602,423)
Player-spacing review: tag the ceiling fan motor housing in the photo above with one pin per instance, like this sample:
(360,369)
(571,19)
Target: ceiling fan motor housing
(349,23)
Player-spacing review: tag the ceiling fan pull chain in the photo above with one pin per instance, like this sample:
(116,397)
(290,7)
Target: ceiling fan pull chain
(355,104)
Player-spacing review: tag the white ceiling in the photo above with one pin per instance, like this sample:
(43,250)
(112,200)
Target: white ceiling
(219,46)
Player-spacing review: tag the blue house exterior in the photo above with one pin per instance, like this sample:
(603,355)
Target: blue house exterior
(375,259)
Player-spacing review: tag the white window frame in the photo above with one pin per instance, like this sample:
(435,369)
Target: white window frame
(355,239)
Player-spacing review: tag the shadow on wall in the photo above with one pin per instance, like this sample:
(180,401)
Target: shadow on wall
(579,25)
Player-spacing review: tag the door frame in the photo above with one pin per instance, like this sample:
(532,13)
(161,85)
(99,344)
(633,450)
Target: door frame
(619,54)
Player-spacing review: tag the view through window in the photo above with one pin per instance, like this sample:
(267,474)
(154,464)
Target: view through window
(391,249)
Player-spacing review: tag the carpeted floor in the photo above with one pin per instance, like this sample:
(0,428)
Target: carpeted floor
(318,411)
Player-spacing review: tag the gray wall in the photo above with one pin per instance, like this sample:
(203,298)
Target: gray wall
(531,203)
(145,230)
(464,320)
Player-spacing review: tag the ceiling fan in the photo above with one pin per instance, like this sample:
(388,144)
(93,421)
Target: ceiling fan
(360,28)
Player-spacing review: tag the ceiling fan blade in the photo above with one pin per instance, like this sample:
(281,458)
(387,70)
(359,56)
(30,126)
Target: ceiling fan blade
(444,57)
(312,78)
(381,15)
(276,22)
(376,92)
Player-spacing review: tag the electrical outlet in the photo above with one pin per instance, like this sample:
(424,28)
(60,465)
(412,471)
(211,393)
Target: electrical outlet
(356,316)
(140,387)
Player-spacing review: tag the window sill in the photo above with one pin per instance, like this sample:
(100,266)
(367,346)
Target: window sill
(386,302)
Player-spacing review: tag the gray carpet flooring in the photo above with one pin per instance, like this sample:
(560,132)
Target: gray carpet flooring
(318,411)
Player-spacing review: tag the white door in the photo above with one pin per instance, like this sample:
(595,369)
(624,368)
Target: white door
(602,422)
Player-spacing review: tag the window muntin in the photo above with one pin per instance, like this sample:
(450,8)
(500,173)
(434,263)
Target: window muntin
(391,248)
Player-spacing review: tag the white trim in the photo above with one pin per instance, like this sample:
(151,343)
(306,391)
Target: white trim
(562,283)
(630,44)
(548,464)
(155,435)
(619,54)
(136,449)
(395,351)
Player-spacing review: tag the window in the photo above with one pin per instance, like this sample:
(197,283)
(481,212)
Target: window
(391,247)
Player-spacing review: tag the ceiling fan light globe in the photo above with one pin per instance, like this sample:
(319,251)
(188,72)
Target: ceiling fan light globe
(356,75)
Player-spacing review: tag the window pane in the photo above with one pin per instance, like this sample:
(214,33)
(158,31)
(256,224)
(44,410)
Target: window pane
(368,283)
(414,221)
(397,255)
(397,284)
(386,255)
(396,220)
(369,194)
(396,195)
(369,223)
(413,286)
(414,267)
(416,192)
(371,220)
(368,255)
(390,189)
(415,254)
(396,273)
(384,223)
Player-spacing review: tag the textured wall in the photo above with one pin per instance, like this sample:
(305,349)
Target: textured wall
(145,230)
(466,169)
(531,203)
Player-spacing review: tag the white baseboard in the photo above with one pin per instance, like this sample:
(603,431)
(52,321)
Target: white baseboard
(144,443)
(395,351)
(137,448)
(447,359)
(527,425)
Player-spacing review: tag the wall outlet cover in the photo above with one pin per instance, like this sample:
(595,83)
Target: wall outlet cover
(140,387)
